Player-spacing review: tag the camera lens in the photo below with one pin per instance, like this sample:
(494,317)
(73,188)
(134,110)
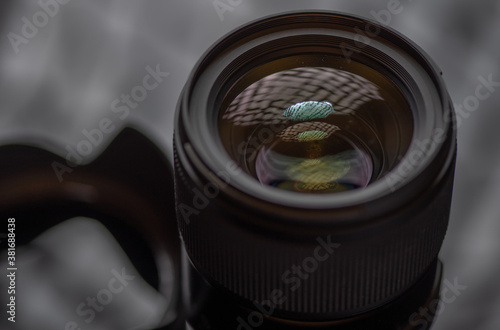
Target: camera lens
(314,164)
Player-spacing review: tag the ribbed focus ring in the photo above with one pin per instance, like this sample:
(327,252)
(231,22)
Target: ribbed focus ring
(323,276)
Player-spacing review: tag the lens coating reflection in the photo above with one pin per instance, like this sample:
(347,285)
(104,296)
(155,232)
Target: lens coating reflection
(313,157)
(315,129)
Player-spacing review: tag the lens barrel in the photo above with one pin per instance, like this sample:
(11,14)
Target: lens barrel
(314,164)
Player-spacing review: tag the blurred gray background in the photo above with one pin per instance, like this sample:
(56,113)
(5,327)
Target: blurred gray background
(64,78)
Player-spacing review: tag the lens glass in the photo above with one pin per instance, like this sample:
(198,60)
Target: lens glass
(315,129)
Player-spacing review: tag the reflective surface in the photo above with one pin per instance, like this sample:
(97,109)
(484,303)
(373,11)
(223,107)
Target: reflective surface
(317,129)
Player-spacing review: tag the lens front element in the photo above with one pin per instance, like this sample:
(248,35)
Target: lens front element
(316,129)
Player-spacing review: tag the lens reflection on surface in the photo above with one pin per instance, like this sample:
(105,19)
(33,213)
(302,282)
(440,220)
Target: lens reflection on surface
(308,110)
(316,129)
(313,156)
(310,131)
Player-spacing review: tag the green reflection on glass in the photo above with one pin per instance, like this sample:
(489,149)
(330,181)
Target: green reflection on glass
(309,136)
(309,110)
(319,173)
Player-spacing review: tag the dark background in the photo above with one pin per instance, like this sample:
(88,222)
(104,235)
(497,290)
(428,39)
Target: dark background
(65,78)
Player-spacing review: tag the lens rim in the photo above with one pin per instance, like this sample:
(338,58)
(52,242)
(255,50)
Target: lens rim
(197,115)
